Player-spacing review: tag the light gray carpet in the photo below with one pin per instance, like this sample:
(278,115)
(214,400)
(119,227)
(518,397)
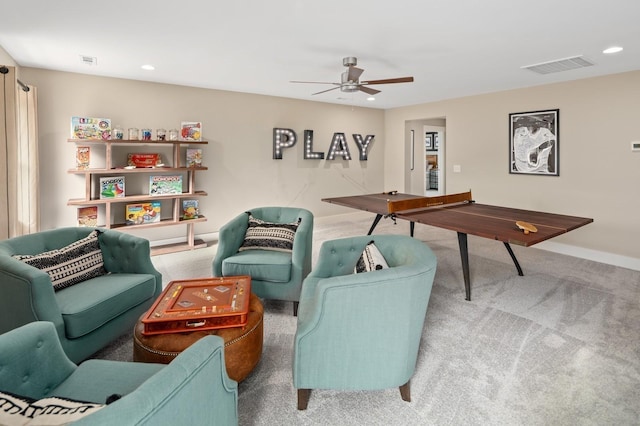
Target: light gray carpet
(559,346)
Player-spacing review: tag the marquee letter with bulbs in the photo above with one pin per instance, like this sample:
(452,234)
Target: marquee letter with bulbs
(282,138)
(286,138)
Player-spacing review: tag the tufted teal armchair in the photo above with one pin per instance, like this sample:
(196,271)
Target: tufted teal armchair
(274,275)
(362,331)
(194,389)
(90,314)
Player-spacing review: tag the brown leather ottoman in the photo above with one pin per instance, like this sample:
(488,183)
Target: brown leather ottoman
(242,347)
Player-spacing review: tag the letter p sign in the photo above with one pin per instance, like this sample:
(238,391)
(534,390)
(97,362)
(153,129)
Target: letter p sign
(282,138)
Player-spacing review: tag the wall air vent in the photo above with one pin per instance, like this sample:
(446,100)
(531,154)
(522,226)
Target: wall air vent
(559,65)
(89,60)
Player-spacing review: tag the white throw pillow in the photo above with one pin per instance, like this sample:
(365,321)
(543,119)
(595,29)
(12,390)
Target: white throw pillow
(370,260)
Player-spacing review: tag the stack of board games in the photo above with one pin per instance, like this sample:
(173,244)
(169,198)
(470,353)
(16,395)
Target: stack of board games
(165,185)
(112,187)
(141,213)
(90,128)
(190,209)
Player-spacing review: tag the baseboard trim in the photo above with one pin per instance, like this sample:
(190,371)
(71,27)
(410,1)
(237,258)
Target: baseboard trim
(589,254)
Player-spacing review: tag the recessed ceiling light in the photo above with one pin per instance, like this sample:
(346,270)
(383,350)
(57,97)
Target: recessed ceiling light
(614,49)
(371,98)
(148,67)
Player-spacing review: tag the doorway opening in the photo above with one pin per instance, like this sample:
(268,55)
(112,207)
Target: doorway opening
(425,163)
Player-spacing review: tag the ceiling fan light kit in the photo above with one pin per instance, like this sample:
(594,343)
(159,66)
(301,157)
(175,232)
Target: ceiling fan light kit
(350,80)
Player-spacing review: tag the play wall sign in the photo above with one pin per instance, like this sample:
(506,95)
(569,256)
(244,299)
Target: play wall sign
(287,138)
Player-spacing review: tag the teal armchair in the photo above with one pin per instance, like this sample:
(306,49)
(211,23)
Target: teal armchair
(88,315)
(362,331)
(193,389)
(274,275)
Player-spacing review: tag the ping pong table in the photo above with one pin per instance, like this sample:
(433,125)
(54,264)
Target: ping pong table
(460,213)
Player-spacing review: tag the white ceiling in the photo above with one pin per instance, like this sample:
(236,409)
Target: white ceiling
(452,48)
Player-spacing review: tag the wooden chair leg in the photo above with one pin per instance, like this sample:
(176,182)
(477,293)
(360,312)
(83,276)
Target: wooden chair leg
(295,309)
(405,391)
(303,398)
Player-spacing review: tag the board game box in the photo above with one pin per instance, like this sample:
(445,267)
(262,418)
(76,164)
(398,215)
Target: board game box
(200,304)
(143,160)
(190,209)
(165,185)
(141,213)
(83,157)
(88,216)
(90,128)
(194,157)
(112,187)
(191,131)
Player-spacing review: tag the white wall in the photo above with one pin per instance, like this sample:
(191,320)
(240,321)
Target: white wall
(6,59)
(599,174)
(239,127)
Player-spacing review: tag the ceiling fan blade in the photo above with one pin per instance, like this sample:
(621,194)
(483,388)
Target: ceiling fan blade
(354,73)
(368,90)
(328,90)
(390,80)
(313,82)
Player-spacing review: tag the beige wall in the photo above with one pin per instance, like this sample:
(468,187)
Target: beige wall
(239,127)
(599,174)
(598,171)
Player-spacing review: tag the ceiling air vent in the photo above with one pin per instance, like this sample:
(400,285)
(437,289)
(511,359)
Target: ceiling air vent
(559,65)
(89,60)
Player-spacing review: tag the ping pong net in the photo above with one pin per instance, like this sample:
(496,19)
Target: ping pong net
(425,202)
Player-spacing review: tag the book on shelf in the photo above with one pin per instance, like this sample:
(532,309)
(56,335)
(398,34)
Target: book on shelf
(165,185)
(83,157)
(191,131)
(90,128)
(194,157)
(112,187)
(190,209)
(141,213)
(88,216)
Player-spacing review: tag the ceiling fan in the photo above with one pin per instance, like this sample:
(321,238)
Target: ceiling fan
(350,81)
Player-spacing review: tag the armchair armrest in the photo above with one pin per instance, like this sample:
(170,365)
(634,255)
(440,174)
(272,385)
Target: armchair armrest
(193,389)
(33,351)
(302,246)
(125,253)
(230,239)
(27,293)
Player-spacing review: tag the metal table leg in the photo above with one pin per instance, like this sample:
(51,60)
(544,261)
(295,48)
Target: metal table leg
(375,222)
(464,256)
(513,257)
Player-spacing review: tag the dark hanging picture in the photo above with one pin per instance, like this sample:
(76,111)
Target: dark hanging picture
(534,142)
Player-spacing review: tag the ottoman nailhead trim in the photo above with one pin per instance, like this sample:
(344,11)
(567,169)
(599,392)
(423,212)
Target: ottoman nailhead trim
(237,339)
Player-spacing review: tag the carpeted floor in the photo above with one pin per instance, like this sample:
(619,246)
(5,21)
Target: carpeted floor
(559,346)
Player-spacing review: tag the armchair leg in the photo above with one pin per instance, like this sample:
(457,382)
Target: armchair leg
(303,398)
(405,391)
(295,309)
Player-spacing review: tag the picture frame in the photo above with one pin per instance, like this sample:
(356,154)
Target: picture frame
(428,141)
(431,141)
(534,143)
